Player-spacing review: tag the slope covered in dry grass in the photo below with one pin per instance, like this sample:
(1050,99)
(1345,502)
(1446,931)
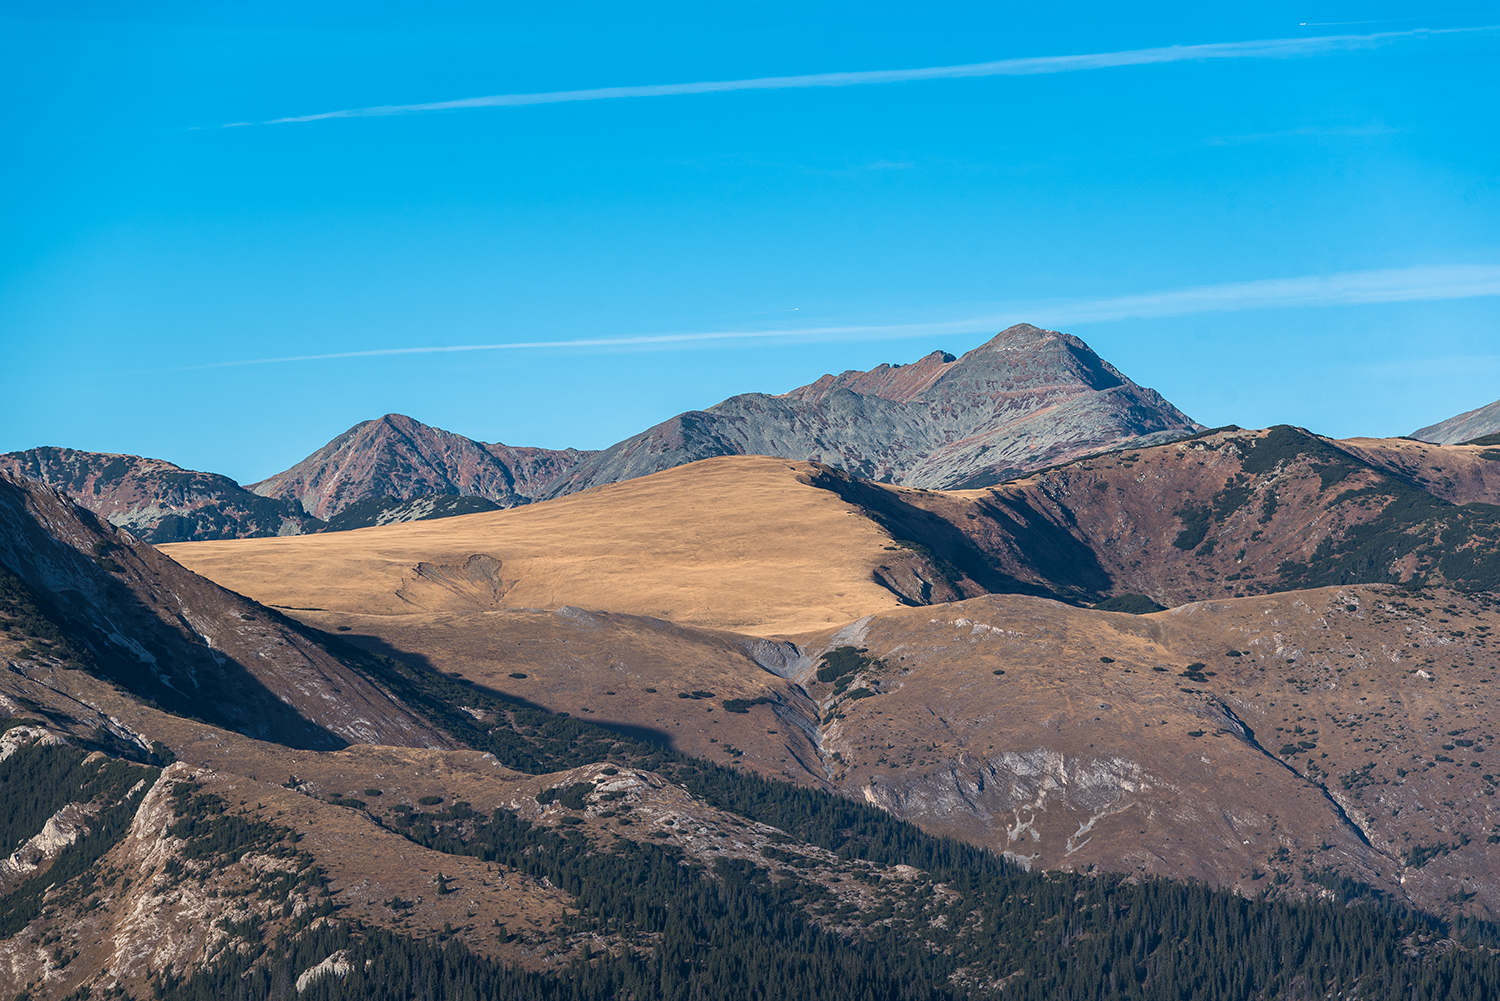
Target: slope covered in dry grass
(740,543)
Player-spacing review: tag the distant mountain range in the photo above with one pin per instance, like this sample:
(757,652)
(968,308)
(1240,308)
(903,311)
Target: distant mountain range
(1027,399)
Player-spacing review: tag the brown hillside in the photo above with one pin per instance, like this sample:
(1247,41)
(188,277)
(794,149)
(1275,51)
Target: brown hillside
(1352,728)
(159,902)
(1463,474)
(741,543)
(665,682)
(131,615)
(1223,514)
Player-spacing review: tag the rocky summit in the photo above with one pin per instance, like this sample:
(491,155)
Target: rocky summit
(1026,399)
(397,457)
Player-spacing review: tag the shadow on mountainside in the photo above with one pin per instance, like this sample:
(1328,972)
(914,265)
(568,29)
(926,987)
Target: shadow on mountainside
(1070,567)
(83,595)
(216,689)
(439,695)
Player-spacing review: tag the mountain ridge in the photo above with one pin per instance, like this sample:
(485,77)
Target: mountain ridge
(157,500)
(1477,423)
(1025,399)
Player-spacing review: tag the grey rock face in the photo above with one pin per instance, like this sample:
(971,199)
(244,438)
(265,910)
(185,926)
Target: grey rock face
(1027,399)
(390,511)
(1465,427)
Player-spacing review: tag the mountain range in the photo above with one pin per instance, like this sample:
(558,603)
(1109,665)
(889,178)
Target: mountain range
(156,500)
(988,687)
(1026,399)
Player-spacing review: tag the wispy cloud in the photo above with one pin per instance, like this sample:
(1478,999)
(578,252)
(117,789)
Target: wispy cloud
(1272,48)
(1350,288)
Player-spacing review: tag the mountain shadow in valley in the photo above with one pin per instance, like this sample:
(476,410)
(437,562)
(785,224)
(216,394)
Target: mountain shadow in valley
(195,683)
(522,734)
(1070,568)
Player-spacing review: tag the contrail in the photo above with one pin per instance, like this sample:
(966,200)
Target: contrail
(1273,48)
(1350,288)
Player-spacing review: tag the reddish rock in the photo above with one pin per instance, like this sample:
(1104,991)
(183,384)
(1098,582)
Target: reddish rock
(157,501)
(398,457)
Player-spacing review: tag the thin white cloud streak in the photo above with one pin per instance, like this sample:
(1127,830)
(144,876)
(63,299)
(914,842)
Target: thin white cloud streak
(1352,288)
(1272,48)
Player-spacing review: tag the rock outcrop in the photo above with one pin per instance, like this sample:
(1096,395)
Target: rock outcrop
(1465,427)
(157,501)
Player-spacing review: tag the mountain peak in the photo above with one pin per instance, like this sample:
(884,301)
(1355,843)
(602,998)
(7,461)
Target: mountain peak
(399,457)
(1019,335)
(1026,399)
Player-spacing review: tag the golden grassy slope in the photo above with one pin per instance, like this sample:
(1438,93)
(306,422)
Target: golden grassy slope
(740,542)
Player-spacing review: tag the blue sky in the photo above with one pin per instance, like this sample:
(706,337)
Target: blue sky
(1306,231)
